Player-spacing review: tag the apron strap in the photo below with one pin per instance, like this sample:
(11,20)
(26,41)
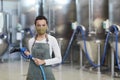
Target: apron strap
(46,36)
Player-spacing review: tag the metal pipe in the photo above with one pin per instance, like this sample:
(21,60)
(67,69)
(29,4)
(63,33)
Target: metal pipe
(98,42)
(81,58)
(78,11)
(90,15)
(1,5)
(112,64)
(41,7)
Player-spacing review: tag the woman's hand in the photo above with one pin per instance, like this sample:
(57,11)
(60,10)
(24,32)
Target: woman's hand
(27,53)
(39,61)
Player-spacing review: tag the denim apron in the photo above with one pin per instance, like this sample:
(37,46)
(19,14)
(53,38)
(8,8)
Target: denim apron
(41,51)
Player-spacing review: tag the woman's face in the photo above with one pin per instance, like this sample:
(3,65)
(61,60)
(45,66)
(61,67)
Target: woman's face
(41,27)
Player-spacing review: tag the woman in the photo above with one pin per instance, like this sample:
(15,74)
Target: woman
(41,47)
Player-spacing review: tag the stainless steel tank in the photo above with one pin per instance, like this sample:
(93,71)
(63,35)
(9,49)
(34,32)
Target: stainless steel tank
(28,12)
(114,12)
(3,30)
(91,13)
(60,15)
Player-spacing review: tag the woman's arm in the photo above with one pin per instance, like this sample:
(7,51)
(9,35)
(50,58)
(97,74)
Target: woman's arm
(57,59)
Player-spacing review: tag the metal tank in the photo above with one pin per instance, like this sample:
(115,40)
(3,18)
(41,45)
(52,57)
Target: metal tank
(91,14)
(60,15)
(28,10)
(3,33)
(114,12)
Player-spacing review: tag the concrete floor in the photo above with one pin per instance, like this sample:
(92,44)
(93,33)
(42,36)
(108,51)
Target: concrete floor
(17,70)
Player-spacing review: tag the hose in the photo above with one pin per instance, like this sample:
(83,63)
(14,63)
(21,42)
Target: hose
(86,52)
(116,44)
(67,50)
(80,29)
(31,58)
